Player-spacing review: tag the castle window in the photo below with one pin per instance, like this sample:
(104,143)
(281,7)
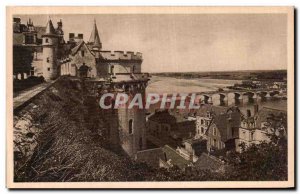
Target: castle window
(32,71)
(48,68)
(202,130)
(112,69)
(215,142)
(141,143)
(46,40)
(82,53)
(130,123)
(48,60)
(133,69)
(251,136)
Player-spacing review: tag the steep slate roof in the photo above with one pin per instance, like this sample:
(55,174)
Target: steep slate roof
(78,46)
(49,28)
(95,38)
(174,157)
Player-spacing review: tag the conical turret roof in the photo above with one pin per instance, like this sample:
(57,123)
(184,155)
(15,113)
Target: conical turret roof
(49,28)
(95,38)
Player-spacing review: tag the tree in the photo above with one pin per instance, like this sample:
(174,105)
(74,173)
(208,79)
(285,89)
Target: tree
(262,162)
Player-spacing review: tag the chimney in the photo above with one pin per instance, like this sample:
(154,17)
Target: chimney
(71,36)
(255,109)
(17,20)
(248,113)
(80,36)
(59,24)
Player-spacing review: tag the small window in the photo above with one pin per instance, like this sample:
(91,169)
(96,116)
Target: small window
(130,123)
(48,60)
(214,131)
(82,53)
(112,69)
(202,130)
(208,114)
(46,40)
(215,142)
(133,69)
(48,68)
(251,136)
(202,121)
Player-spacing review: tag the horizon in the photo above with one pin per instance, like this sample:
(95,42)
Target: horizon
(224,71)
(215,42)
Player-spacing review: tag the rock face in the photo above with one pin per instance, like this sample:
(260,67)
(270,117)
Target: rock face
(25,136)
(60,136)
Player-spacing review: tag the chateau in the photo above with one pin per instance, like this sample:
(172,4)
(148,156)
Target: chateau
(50,56)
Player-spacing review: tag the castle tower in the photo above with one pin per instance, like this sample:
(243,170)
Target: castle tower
(50,43)
(133,120)
(127,126)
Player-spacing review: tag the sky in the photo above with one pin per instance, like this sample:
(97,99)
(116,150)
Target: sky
(187,42)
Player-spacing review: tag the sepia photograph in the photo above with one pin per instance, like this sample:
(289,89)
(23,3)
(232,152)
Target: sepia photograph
(150,97)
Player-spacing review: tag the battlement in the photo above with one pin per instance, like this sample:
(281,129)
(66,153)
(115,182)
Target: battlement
(77,38)
(121,55)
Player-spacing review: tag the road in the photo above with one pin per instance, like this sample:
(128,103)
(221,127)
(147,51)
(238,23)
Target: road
(25,95)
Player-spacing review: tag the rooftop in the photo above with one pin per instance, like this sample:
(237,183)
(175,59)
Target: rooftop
(174,157)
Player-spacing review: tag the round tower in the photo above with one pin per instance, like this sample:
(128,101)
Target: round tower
(50,44)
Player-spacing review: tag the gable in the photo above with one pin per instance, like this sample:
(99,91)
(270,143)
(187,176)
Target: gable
(81,54)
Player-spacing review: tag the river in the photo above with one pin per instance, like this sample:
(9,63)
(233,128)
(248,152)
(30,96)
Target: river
(170,85)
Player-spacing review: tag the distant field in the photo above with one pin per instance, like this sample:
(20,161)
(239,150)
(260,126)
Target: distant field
(230,75)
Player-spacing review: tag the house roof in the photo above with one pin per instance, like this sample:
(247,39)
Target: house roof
(217,110)
(274,116)
(206,162)
(222,118)
(174,157)
(78,46)
(163,117)
(193,141)
(150,156)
